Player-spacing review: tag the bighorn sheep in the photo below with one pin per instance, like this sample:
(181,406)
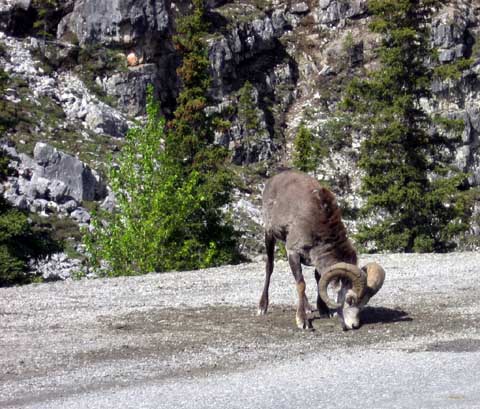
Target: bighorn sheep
(306,217)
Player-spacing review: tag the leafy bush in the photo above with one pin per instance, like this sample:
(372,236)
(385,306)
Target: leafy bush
(164,219)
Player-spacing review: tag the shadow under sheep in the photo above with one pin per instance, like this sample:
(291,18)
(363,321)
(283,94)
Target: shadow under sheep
(382,315)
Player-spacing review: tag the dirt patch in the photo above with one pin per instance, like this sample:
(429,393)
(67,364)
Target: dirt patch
(225,336)
(184,341)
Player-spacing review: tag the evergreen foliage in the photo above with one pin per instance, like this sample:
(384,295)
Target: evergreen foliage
(453,71)
(248,116)
(306,150)
(408,178)
(13,225)
(190,138)
(191,133)
(171,182)
(48,15)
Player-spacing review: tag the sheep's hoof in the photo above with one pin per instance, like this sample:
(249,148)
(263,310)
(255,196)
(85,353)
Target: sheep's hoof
(261,311)
(327,314)
(304,323)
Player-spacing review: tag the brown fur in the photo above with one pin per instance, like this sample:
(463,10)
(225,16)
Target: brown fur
(305,215)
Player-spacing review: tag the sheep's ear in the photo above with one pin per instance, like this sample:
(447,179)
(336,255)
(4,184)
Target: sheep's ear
(320,193)
(351,298)
(324,196)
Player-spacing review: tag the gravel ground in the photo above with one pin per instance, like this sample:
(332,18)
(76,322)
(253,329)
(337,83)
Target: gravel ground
(192,340)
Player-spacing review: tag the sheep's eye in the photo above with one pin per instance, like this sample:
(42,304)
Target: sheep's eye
(350,299)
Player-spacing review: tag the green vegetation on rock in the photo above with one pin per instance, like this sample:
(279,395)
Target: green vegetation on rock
(248,116)
(95,61)
(453,71)
(48,16)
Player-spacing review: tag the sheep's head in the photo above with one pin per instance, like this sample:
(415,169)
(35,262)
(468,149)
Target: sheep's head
(355,288)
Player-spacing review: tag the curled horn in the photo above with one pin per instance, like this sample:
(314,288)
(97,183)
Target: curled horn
(342,270)
(375,278)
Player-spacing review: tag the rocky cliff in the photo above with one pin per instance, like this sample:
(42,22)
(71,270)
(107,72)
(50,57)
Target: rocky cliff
(78,71)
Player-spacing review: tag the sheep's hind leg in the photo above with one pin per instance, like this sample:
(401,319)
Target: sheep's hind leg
(301,317)
(270,246)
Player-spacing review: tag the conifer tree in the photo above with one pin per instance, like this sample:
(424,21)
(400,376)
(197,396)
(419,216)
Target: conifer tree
(409,180)
(47,17)
(306,150)
(190,139)
(248,116)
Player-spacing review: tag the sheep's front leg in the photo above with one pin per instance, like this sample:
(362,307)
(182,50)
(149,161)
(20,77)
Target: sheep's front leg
(301,316)
(308,307)
(322,308)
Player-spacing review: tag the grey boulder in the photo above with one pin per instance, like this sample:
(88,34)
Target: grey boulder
(67,175)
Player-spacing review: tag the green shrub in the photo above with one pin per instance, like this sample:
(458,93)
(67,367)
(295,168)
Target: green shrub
(165,219)
(97,61)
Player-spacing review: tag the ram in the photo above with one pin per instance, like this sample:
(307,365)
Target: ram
(298,211)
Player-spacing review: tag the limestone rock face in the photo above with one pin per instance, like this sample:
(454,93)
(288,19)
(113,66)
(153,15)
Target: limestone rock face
(117,22)
(129,88)
(300,8)
(80,105)
(335,11)
(246,40)
(250,50)
(450,31)
(8,6)
(8,10)
(140,27)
